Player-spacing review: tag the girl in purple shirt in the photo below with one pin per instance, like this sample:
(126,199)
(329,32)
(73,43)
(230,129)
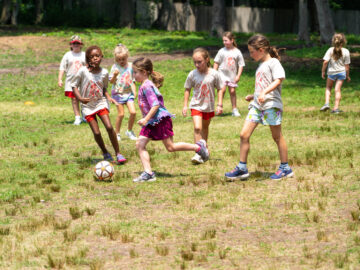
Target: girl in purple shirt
(156,122)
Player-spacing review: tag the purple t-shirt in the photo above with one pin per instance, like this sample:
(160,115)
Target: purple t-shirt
(150,96)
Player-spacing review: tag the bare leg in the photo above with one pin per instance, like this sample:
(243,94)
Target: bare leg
(97,135)
(232,91)
(143,153)
(197,127)
(180,146)
(329,85)
(75,106)
(119,118)
(132,116)
(280,141)
(245,135)
(111,132)
(205,129)
(338,85)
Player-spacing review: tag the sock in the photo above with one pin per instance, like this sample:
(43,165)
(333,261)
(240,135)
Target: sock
(242,166)
(77,116)
(284,166)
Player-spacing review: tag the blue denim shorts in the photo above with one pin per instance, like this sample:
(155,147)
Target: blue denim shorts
(271,117)
(339,76)
(123,98)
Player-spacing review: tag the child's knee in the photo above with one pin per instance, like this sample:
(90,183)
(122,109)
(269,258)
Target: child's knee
(132,114)
(197,130)
(170,148)
(276,138)
(244,137)
(120,115)
(139,145)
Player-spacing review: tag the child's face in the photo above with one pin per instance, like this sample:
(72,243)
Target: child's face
(200,62)
(95,58)
(255,54)
(76,47)
(122,60)
(228,43)
(139,75)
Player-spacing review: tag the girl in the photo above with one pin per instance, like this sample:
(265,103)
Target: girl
(204,80)
(156,122)
(230,63)
(337,60)
(70,64)
(123,89)
(89,86)
(266,107)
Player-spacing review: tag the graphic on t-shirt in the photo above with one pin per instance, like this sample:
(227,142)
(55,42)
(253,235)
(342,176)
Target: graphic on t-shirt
(76,66)
(202,92)
(124,82)
(230,62)
(258,82)
(95,91)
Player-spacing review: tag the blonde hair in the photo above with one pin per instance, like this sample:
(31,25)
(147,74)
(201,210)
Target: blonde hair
(259,41)
(146,65)
(205,54)
(120,50)
(230,36)
(338,41)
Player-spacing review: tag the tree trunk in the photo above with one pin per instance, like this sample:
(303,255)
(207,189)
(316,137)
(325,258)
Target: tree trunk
(39,11)
(303,33)
(167,9)
(218,24)
(6,12)
(15,11)
(326,23)
(127,18)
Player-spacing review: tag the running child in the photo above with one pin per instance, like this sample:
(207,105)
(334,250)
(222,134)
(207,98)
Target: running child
(337,61)
(70,64)
(204,80)
(89,86)
(230,63)
(266,107)
(123,89)
(156,122)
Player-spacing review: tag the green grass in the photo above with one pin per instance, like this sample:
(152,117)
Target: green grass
(54,215)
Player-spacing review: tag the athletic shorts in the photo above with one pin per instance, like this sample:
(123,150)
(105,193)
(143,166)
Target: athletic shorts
(204,115)
(160,131)
(271,117)
(339,76)
(91,117)
(69,94)
(123,98)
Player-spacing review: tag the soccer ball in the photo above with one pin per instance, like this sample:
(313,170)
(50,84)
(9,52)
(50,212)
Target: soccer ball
(104,170)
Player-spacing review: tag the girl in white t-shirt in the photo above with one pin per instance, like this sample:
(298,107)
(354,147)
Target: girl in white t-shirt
(337,61)
(70,64)
(230,63)
(89,86)
(203,80)
(266,107)
(123,89)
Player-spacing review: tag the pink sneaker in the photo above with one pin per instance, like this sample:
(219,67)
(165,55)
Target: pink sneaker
(120,159)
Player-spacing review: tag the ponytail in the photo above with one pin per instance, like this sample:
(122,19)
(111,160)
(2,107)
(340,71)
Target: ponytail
(145,64)
(157,78)
(274,53)
(259,41)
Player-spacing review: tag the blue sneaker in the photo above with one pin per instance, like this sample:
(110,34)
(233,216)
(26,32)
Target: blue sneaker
(108,157)
(281,173)
(237,174)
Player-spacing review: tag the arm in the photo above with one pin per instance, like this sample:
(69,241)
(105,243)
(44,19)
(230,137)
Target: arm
(109,98)
(249,98)
(61,74)
(216,66)
(114,77)
(133,89)
(221,92)
(77,95)
(237,78)
(151,113)
(347,69)
(186,100)
(269,89)
(325,63)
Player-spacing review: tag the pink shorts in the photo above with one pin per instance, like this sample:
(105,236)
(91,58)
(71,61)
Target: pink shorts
(204,115)
(91,117)
(69,94)
(160,131)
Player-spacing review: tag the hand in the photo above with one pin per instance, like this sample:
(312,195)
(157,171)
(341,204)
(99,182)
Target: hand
(184,111)
(116,72)
(237,79)
(219,109)
(113,101)
(60,83)
(261,97)
(348,78)
(84,100)
(249,97)
(323,75)
(142,122)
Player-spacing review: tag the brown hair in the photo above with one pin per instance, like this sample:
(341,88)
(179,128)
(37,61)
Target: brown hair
(88,52)
(259,41)
(338,41)
(204,53)
(230,36)
(146,65)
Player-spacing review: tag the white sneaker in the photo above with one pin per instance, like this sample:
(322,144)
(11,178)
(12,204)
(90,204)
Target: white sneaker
(118,137)
(77,121)
(235,113)
(197,159)
(131,135)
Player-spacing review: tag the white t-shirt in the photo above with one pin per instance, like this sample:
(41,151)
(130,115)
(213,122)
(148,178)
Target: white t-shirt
(92,86)
(124,79)
(229,63)
(266,73)
(335,67)
(71,63)
(204,85)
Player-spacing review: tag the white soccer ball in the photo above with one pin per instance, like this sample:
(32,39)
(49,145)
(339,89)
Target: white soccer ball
(104,170)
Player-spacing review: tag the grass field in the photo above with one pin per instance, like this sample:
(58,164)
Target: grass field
(54,215)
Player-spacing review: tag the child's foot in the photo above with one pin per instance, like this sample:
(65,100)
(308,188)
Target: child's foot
(118,137)
(108,157)
(120,159)
(145,177)
(203,151)
(197,159)
(281,173)
(337,111)
(131,135)
(77,121)
(235,113)
(237,174)
(325,108)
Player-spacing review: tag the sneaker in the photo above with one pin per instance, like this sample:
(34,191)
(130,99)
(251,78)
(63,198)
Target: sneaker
(203,152)
(118,137)
(235,113)
(83,120)
(237,174)
(145,177)
(77,121)
(325,108)
(131,135)
(108,157)
(281,173)
(197,159)
(120,159)
(337,111)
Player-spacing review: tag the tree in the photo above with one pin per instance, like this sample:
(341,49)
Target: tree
(326,23)
(218,24)
(166,11)
(39,11)
(303,33)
